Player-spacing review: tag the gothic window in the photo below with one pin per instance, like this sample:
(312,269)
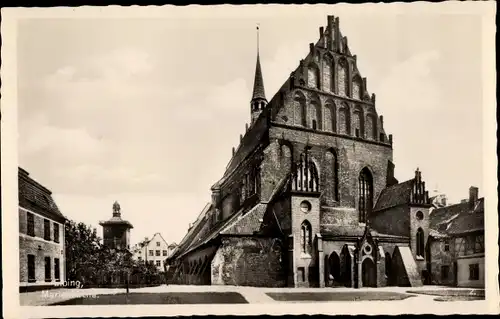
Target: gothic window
(365,191)
(356,88)
(371,127)
(358,123)
(420,242)
(315,115)
(306,175)
(313,76)
(299,109)
(330,117)
(343,78)
(305,237)
(327,73)
(344,121)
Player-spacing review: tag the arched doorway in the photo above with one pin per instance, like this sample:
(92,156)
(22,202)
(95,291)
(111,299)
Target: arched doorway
(334,268)
(388,269)
(369,273)
(345,267)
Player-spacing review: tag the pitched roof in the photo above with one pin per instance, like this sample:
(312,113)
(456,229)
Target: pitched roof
(444,215)
(394,195)
(457,219)
(36,197)
(247,224)
(470,221)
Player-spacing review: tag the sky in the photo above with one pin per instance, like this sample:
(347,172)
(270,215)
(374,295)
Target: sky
(145,111)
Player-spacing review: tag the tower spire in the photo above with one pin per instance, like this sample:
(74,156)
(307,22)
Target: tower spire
(259,100)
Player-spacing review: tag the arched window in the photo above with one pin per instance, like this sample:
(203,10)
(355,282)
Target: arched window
(327,73)
(358,123)
(306,178)
(356,88)
(330,115)
(343,78)
(305,237)
(365,191)
(313,77)
(299,109)
(315,114)
(420,242)
(344,126)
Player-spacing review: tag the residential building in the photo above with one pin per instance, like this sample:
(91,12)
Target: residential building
(42,261)
(456,251)
(154,251)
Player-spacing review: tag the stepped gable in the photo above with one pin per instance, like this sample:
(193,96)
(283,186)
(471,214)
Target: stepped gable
(37,198)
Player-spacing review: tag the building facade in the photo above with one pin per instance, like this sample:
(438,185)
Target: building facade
(455,254)
(309,197)
(116,231)
(41,236)
(154,251)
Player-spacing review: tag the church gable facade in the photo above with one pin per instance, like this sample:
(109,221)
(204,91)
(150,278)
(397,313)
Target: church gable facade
(309,197)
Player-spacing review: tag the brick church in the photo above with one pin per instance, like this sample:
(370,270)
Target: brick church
(309,197)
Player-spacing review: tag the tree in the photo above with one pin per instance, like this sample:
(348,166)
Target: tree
(82,251)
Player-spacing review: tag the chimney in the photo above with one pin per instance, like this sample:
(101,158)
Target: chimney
(473,196)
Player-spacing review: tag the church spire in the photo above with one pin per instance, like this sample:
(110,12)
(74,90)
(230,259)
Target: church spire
(259,100)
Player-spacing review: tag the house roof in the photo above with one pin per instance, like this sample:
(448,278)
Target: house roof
(395,195)
(457,219)
(37,198)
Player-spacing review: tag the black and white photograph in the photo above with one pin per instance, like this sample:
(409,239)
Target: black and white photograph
(249,159)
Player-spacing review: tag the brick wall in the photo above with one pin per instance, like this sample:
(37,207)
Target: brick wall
(40,248)
(246,261)
(352,156)
(439,258)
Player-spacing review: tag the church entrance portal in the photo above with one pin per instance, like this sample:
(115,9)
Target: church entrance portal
(345,267)
(369,273)
(334,269)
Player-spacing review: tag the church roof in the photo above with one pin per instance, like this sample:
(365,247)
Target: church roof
(258,84)
(394,195)
(37,198)
(354,231)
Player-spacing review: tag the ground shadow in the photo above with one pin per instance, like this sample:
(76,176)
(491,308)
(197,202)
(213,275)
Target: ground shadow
(159,299)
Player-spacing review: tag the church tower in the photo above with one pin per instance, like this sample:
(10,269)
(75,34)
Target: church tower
(116,231)
(259,101)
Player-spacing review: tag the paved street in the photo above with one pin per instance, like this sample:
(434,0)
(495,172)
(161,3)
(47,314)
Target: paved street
(252,294)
